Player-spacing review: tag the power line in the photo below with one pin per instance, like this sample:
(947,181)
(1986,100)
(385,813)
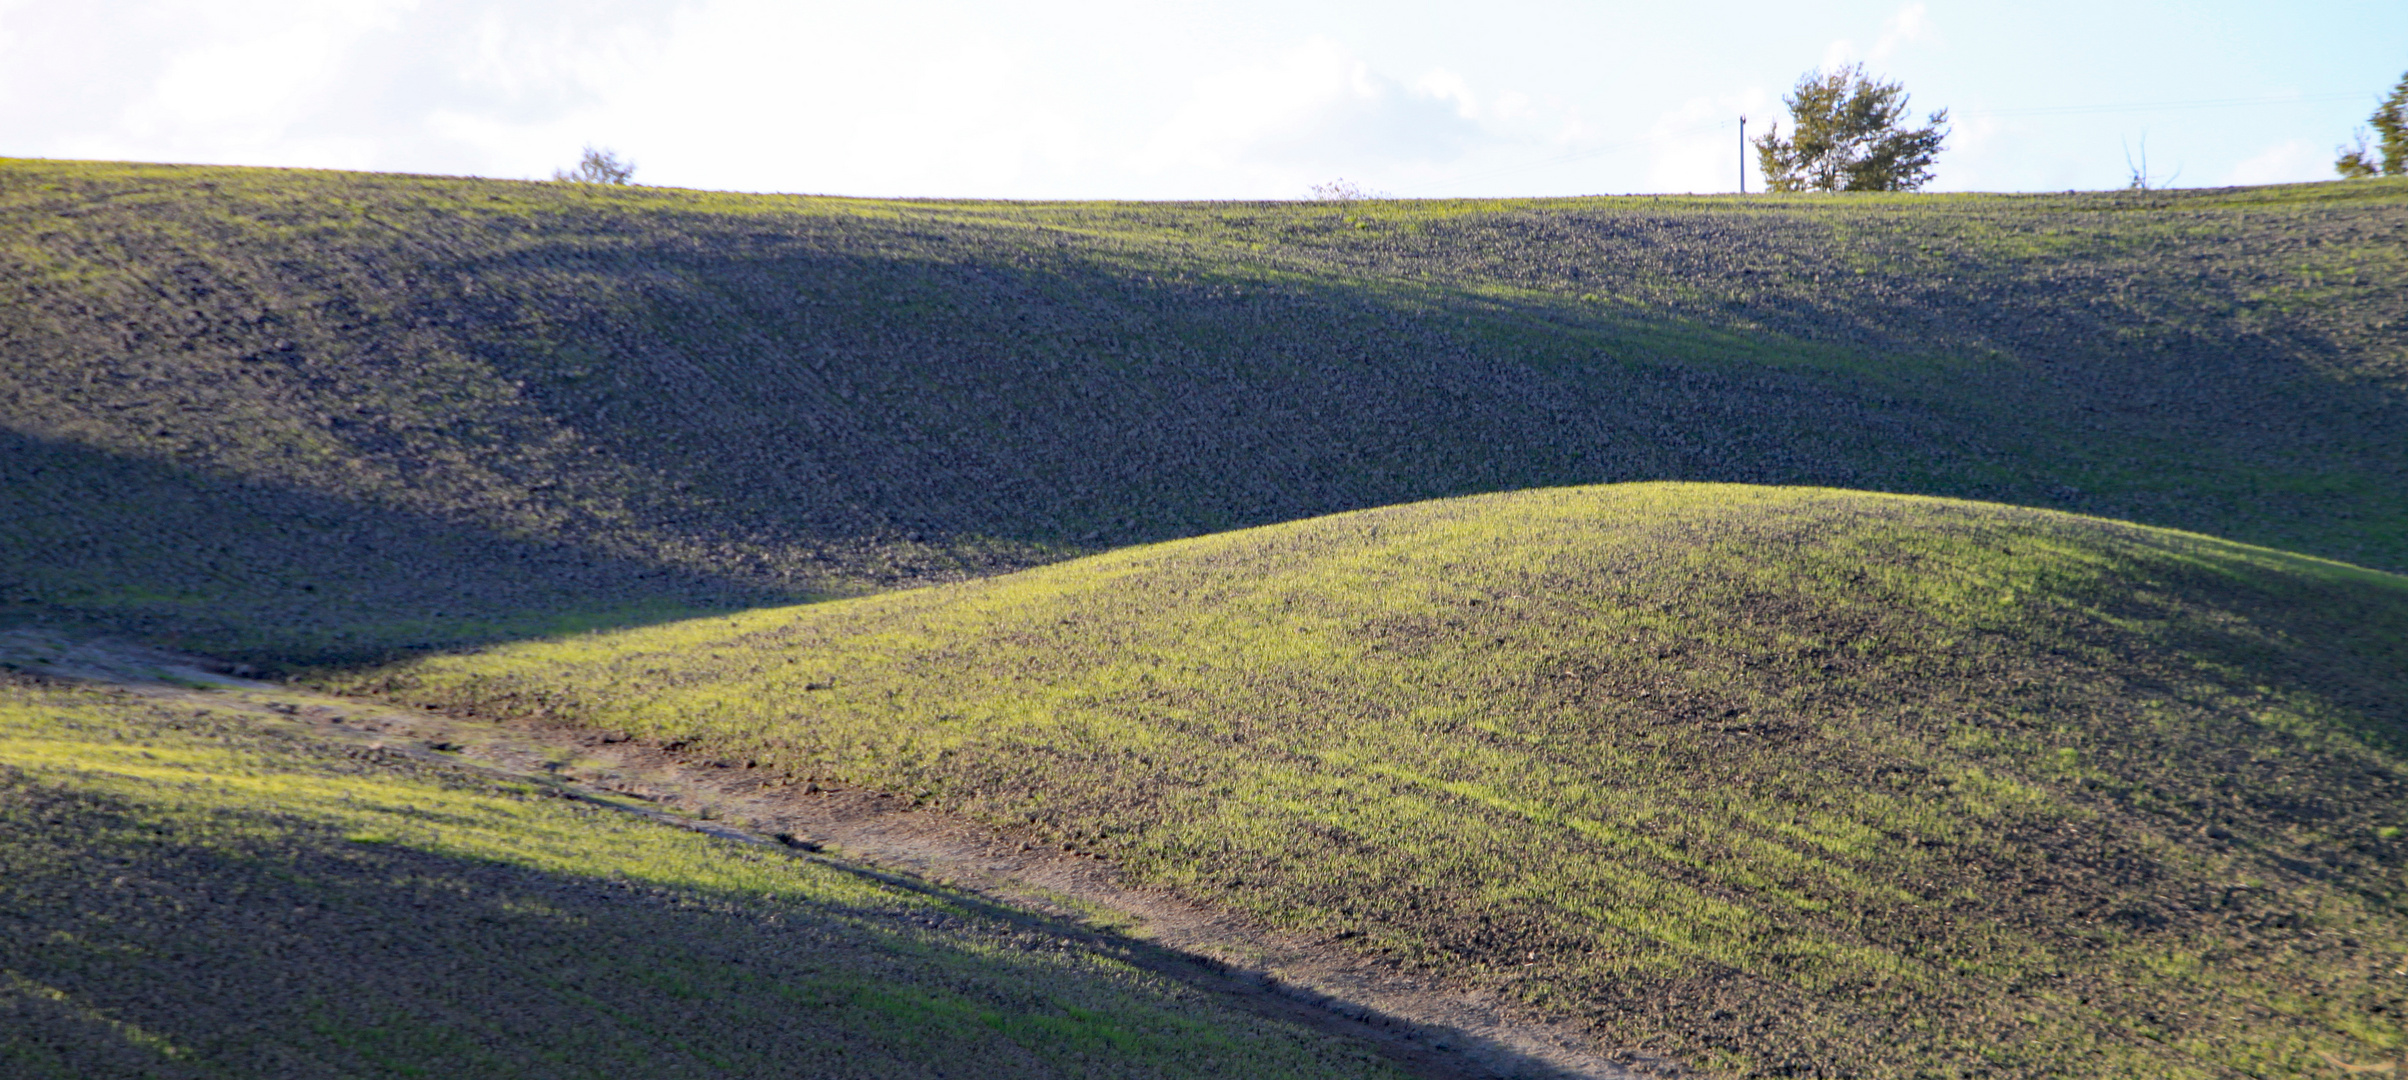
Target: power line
(2149,106)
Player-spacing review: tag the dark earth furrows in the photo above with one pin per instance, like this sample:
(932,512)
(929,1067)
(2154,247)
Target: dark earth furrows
(592,406)
(1776,780)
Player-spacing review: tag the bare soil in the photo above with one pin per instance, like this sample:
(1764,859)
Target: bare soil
(326,418)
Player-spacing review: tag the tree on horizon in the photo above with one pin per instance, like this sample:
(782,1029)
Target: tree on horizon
(1850,136)
(597,167)
(2388,157)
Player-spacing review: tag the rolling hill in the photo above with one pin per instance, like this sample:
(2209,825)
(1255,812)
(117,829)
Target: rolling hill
(293,417)
(186,892)
(1871,636)
(1775,781)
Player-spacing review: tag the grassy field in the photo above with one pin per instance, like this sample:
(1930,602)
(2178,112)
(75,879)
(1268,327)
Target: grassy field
(1777,781)
(290,416)
(183,894)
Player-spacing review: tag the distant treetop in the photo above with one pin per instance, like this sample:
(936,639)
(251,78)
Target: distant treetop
(2390,156)
(597,167)
(1850,136)
(1342,190)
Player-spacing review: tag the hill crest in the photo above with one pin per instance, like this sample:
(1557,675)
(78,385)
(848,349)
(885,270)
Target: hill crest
(592,406)
(1765,779)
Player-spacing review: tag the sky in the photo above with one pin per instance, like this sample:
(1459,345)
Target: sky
(1234,99)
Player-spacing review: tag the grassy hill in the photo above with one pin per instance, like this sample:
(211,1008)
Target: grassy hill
(304,416)
(1774,780)
(184,894)
(1779,781)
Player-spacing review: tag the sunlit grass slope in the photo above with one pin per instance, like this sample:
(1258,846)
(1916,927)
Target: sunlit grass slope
(1782,781)
(291,415)
(183,895)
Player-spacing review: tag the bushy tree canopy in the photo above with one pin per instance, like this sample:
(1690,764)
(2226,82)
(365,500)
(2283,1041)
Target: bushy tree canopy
(2389,156)
(1850,136)
(597,167)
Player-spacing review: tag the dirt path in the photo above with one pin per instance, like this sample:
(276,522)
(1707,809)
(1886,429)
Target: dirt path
(1424,1026)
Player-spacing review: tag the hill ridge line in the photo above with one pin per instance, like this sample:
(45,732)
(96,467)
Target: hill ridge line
(245,411)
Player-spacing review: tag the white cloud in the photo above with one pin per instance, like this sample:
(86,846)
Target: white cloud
(2289,162)
(514,60)
(1839,54)
(343,83)
(759,94)
(1081,98)
(253,84)
(8,21)
(1696,147)
(1314,111)
(1445,85)
(1912,23)
(1972,157)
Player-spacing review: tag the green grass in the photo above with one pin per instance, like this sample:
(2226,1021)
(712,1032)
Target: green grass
(1778,781)
(293,416)
(1775,780)
(183,894)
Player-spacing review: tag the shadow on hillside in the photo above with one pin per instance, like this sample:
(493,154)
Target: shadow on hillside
(317,953)
(98,542)
(1086,405)
(1062,400)
(798,403)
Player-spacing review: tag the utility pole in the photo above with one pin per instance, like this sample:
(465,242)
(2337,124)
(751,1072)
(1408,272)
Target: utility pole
(1743,153)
